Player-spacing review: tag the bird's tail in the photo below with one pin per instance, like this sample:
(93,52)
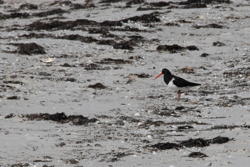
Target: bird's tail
(194,84)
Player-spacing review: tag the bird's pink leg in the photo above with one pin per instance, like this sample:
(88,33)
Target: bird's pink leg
(178,95)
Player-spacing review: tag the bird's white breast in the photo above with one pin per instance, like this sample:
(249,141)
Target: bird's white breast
(171,84)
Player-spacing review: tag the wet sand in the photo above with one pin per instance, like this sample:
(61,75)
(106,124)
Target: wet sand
(77,84)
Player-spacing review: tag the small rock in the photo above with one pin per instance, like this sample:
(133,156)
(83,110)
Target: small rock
(188,70)
(61,144)
(70,79)
(13,98)
(47,60)
(179,108)
(135,57)
(97,86)
(197,155)
(191,47)
(137,114)
(185,127)
(218,43)
(11,115)
(220,140)
(204,55)
(71,161)
(67,65)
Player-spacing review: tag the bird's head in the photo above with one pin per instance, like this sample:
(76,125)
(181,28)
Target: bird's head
(163,72)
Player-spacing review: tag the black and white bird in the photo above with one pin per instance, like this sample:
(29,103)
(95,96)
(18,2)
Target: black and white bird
(175,81)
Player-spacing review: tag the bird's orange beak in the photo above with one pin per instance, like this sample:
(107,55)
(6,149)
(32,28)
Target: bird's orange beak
(157,76)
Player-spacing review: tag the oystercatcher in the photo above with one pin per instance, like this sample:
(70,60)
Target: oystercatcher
(175,81)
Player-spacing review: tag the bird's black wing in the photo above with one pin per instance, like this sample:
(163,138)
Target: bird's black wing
(180,82)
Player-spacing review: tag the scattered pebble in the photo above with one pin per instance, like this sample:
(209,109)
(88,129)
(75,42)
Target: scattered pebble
(197,155)
(97,86)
